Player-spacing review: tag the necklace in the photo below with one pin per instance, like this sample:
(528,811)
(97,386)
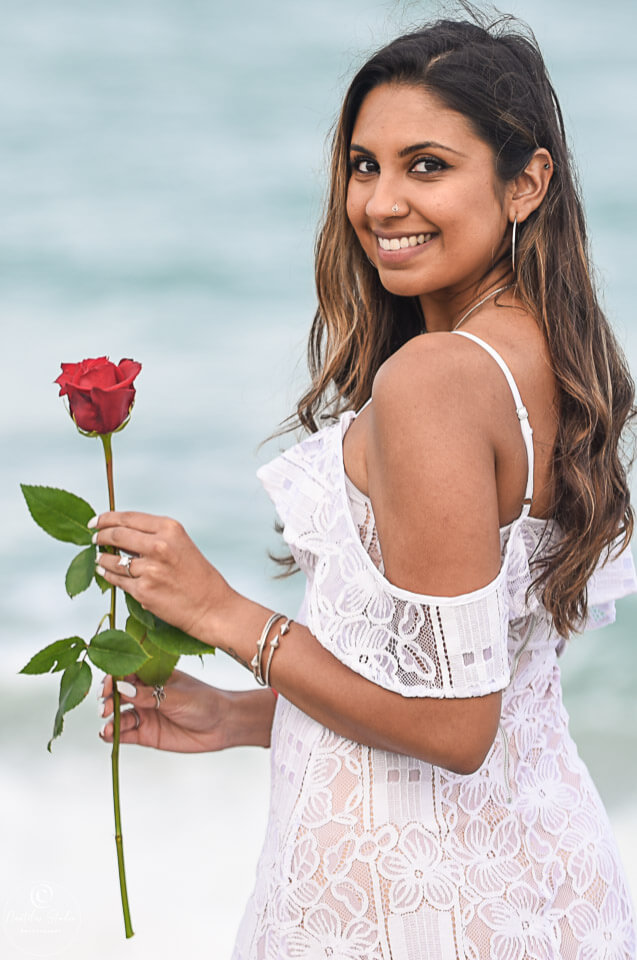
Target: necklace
(489,296)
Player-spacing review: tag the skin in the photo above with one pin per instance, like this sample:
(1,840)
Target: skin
(439,451)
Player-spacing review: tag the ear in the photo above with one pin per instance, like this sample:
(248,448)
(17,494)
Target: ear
(529,189)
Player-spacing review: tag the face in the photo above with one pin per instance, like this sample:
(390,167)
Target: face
(451,223)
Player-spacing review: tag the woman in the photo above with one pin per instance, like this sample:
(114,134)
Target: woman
(427,800)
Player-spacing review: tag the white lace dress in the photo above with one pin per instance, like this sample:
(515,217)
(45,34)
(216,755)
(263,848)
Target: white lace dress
(371,855)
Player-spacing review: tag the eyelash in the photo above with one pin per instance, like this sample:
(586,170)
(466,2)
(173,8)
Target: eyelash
(356,162)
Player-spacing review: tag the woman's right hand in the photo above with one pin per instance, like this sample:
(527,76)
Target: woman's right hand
(193,717)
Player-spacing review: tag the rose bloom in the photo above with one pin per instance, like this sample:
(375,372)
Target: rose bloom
(100,393)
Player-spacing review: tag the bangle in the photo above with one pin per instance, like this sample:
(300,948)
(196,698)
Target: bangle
(273,645)
(255,663)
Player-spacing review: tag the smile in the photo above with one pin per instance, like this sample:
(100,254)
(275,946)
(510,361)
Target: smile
(399,243)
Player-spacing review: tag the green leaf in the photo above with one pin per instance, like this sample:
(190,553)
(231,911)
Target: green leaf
(60,513)
(168,638)
(116,652)
(161,664)
(103,584)
(80,574)
(74,685)
(171,640)
(136,610)
(57,656)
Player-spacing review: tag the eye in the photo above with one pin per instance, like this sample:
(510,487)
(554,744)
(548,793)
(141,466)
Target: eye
(429,165)
(363,165)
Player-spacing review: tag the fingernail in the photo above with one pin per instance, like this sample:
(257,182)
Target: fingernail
(92,522)
(94,538)
(98,558)
(100,708)
(103,728)
(100,692)
(100,570)
(126,688)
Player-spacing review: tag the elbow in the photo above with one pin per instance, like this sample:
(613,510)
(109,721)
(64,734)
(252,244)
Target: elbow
(467,762)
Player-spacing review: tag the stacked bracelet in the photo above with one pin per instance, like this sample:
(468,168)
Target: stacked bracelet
(255,663)
(273,645)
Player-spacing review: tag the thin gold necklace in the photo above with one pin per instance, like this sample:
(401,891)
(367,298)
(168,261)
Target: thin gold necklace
(489,296)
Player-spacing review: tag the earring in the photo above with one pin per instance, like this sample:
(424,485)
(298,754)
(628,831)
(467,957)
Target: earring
(513,236)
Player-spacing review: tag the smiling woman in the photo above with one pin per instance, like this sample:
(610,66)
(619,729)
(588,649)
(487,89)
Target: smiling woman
(427,798)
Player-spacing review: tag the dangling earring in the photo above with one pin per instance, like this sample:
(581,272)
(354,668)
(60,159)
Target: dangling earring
(513,236)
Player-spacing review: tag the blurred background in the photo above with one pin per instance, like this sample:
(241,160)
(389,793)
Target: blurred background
(162,173)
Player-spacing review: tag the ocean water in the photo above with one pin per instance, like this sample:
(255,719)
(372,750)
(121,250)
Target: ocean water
(162,174)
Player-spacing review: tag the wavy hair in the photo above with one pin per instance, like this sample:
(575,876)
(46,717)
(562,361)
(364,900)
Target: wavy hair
(494,75)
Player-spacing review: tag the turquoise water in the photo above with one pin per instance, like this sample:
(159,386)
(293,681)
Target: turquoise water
(161,177)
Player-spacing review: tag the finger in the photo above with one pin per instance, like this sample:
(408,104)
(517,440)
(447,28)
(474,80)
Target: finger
(114,565)
(130,723)
(125,538)
(144,522)
(126,688)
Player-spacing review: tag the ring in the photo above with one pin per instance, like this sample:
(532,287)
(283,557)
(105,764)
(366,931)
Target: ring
(159,694)
(138,719)
(125,561)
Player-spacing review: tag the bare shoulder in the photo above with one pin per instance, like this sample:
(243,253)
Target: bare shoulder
(453,380)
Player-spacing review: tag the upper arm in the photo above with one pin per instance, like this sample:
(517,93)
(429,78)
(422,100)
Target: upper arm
(431,476)
(431,469)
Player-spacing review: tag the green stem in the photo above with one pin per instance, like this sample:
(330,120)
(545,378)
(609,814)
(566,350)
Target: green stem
(119,843)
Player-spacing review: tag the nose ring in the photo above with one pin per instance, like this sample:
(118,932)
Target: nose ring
(394,209)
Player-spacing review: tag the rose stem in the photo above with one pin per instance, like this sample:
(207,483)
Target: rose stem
(119,844)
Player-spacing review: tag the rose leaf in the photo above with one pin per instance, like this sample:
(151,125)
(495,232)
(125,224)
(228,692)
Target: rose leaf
(80,574)
(60,513)
(160,665)
(136,610)
(57,656)
(103,584)
(172,640)
(116,652)
(74,685)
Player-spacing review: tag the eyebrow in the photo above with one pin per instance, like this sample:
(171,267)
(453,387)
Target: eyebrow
(413,148)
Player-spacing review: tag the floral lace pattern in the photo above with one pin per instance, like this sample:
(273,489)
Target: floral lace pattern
(371,855)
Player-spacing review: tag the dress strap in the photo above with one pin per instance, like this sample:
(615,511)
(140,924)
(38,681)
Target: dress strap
(520,409)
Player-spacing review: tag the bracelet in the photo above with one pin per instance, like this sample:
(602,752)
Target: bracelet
(255,663)
(273,645)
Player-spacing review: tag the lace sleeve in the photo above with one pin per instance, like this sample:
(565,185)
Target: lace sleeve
(412,644)
(613,579)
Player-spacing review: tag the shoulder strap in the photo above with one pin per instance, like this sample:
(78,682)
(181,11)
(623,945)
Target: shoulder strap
(520,409)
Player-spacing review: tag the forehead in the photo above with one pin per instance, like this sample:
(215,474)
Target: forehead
(395,115)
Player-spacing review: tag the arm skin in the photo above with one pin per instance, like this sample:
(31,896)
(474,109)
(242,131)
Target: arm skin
(430,455)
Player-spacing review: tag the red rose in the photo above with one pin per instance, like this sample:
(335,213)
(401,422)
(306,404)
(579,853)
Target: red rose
(100,393)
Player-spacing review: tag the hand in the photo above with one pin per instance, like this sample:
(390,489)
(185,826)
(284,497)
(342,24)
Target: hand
(192,718)
(168,575)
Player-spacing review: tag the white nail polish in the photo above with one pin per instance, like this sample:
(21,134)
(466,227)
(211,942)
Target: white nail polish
(126,688)
(92,522)
(100,708)
(100,570)
(94,538)
(103,728)
(100,692)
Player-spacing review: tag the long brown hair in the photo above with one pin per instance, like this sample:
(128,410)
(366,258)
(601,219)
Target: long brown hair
(495,76)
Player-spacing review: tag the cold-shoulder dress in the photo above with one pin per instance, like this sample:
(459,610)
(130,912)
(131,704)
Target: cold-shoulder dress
(371,855)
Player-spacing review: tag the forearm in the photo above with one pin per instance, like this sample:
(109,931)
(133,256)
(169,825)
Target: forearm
(448,733)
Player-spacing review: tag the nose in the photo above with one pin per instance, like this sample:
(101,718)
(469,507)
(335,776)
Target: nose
(385,200)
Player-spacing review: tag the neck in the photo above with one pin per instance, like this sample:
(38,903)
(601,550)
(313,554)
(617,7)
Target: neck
(444,310)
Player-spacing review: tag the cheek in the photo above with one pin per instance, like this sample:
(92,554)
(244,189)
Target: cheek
(355,208)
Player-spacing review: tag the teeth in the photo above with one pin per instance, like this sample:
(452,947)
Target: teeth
(400,243)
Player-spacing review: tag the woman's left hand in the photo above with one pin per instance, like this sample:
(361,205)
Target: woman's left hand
(167,574)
